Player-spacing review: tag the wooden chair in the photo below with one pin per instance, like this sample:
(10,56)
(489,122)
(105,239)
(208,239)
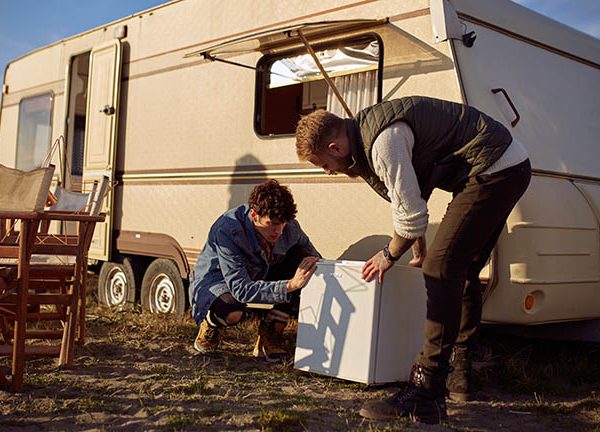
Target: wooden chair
(22,199)
(47,292)
(91,203)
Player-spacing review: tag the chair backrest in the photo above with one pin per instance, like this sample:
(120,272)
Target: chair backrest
(88,202)
(97,199)
(24,191)
(70,201)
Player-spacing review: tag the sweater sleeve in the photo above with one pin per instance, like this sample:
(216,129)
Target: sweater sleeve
(392,161)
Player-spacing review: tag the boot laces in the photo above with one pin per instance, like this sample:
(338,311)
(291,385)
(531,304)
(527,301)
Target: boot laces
(403,396)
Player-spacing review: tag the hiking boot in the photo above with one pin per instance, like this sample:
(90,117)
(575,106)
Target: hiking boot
(459,379)
(269,344)
(424,399)
(208,338)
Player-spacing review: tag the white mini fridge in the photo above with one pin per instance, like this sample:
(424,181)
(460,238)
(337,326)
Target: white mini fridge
(357,330)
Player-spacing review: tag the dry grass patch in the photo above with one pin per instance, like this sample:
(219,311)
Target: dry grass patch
(139,372)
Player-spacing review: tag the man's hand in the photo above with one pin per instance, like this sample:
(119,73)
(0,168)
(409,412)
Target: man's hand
(377,265)
(305,270)
(419,251)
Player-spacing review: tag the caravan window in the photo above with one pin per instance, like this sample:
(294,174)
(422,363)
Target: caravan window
(35,131)
(290,86)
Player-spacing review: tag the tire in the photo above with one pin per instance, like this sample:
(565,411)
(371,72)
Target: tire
(163,290)
(117,285)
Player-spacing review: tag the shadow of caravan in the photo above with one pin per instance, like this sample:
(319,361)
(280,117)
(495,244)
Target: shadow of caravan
(360,331)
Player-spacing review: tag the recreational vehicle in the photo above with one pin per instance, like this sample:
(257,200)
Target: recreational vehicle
(188,105)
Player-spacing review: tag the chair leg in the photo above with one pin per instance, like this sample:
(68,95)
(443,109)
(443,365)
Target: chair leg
(67,347)
(28,230)
(18,358)
(82,306)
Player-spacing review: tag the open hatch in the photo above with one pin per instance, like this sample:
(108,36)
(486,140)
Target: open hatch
(332,65)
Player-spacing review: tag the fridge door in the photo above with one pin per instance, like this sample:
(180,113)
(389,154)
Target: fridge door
(357,330)
(336,322)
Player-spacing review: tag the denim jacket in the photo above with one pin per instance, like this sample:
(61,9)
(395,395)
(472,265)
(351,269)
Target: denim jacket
(232,261)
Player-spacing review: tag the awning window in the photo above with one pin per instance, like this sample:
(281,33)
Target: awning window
(269,40)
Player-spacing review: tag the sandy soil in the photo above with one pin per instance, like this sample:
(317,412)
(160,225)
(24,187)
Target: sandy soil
(139,372)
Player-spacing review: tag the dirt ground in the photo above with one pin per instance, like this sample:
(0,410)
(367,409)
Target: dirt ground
(139,372)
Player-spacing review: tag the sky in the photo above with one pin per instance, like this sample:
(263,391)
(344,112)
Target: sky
(29,24)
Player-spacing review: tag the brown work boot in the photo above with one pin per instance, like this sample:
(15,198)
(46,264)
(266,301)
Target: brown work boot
(269,344)
(459,379)
(424,399)
(208,338)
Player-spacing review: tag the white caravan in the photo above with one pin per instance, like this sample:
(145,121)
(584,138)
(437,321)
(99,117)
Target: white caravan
(188,105)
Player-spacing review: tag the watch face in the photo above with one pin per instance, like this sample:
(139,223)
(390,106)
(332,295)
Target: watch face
(386,253)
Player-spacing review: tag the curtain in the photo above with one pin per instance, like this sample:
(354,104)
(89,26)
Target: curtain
(359,90)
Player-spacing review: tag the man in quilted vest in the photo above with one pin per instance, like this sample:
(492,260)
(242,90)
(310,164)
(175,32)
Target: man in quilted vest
(404,149)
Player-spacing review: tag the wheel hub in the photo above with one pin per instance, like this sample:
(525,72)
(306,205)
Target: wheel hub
(117,287)
(163,296)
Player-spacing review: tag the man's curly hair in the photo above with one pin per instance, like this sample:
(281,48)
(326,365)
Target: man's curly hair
(273,200)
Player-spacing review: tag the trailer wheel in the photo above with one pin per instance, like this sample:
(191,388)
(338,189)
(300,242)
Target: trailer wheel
(163,290)
(117,285)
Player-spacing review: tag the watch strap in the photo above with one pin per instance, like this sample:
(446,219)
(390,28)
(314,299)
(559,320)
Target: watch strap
(388,255)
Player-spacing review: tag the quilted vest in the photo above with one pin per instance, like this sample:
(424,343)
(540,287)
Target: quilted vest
(452,141)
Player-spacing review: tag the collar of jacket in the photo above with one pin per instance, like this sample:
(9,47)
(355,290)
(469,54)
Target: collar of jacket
(250,230)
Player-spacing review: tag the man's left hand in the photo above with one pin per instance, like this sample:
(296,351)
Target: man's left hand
(377,265)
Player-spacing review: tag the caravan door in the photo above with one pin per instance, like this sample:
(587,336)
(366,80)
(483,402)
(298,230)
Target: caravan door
(101,134)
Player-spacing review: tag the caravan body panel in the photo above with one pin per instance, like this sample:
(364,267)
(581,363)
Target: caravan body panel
(187,147)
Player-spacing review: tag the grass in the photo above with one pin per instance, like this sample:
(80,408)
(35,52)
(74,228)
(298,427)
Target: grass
(197,386)
(179,422)
(141,368)
(527,366)
(281,420)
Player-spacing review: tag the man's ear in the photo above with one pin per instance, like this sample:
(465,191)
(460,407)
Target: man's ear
(252,214)
(334,147)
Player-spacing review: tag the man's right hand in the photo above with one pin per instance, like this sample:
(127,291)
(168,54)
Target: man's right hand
(305,270)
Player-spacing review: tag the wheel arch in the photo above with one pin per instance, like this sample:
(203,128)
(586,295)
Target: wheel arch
(154,245)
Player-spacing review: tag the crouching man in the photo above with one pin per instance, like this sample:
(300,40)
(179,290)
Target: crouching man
(255,253)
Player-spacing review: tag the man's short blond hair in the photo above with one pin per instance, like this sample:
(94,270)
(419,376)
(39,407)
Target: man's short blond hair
(315,131)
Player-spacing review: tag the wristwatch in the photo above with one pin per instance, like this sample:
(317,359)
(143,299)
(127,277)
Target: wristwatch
(388,255)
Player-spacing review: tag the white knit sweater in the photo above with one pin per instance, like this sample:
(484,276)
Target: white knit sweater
(392,156)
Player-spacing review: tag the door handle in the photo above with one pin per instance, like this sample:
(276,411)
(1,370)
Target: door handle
(512,106)
(108,110)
